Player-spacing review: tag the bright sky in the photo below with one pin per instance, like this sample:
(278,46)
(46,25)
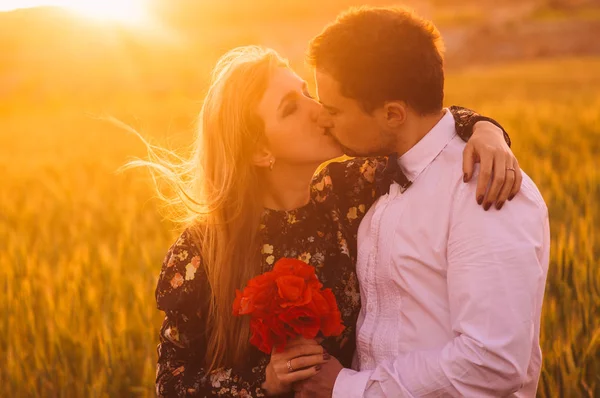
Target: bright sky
(128,11)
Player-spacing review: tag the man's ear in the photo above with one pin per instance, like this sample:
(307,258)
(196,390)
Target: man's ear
(395,113)
(262,157)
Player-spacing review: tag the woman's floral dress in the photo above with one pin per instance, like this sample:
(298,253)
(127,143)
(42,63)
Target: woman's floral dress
(321,233)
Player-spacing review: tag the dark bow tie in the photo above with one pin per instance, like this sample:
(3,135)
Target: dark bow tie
(389,173)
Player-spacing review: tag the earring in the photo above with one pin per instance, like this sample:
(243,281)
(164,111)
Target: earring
(271,164)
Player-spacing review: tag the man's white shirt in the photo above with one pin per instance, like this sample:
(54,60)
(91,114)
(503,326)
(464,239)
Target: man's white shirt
(451,294)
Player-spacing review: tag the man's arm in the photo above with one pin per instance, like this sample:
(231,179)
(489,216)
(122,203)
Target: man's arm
(497,264)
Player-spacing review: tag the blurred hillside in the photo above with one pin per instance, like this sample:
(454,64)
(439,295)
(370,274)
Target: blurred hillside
(51,57)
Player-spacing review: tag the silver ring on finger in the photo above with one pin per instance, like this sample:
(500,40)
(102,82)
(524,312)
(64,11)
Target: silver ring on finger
(289,366)
(511,169)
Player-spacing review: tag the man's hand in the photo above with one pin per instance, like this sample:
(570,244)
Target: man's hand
(499,168)
(321,384)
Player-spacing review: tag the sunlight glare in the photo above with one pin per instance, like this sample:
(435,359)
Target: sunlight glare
(127,11)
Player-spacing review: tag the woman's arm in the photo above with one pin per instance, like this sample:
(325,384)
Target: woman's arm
(182,294)
(465,120)
(350,185)
(181,357)
(488,143)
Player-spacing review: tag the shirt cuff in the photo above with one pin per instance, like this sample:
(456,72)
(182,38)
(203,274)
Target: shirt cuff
(350,383)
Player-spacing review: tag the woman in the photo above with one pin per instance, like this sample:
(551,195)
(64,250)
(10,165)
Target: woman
(246,202)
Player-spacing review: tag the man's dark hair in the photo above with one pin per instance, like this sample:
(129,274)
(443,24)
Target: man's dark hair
(380,54)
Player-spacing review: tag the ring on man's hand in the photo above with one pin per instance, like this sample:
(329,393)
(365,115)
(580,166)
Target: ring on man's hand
(511,169)
(289,365)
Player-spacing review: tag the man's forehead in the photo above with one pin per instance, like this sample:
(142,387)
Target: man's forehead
(326,85)
(324,78)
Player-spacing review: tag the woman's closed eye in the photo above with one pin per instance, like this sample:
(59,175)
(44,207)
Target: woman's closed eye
(290,108)
(292,103)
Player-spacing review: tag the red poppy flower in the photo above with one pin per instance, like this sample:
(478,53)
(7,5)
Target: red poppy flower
(285,303)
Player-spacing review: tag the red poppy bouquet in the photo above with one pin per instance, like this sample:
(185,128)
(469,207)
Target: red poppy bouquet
(285,303)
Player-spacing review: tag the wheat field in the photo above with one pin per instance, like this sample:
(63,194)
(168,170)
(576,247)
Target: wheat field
(81,245)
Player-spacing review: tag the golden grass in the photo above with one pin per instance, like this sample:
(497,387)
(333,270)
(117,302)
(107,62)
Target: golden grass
(81,246)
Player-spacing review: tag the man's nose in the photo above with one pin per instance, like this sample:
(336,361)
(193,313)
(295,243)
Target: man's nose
(324,118)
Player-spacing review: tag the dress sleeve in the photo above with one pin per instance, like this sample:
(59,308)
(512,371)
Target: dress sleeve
(182,294)
(465,120)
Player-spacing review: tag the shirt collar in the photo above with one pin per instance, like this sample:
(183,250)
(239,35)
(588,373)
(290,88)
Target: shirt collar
(428,148)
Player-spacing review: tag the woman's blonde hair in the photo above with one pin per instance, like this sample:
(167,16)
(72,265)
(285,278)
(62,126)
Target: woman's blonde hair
(216,192)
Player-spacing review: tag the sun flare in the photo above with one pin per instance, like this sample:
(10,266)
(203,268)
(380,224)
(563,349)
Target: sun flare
(125,11)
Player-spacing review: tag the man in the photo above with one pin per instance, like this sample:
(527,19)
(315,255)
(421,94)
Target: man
(451,295)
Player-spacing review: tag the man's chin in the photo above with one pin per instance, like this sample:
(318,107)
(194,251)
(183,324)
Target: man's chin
(354,153)
(358,154)
(349,152)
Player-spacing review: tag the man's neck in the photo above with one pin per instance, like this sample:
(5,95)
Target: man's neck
(415,129)
(288,186)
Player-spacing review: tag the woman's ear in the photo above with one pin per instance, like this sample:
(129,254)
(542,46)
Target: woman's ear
(395,113)
(263,157)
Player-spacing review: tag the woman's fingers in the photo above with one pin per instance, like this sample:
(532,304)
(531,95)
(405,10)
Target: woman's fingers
(298,359)
(499,180)
(485,174)
(518,180)
(300,375)
(292,344)
(302,350)
(506,190)
(499,175)
(295,354)
(469,160)
(308,361)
